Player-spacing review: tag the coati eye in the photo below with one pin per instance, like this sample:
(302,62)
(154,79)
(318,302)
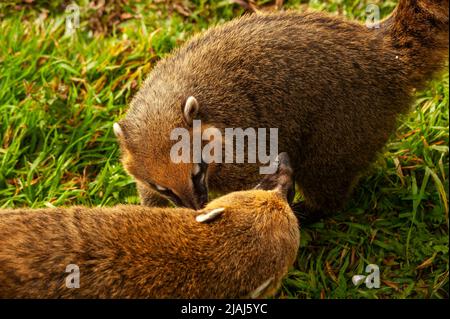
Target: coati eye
(171,195)
(168,193)
(157,187)
(160,188)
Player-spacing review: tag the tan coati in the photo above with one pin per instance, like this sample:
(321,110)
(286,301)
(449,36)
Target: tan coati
(334,88)
(239,245)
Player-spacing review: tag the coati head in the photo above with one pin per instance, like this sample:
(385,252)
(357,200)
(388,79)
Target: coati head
(274,231)
(240,245)
(146,155)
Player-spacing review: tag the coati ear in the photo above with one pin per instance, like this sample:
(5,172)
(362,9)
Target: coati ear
(118,130)
(209,216)
(190,109)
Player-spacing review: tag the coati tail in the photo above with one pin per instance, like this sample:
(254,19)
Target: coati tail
(418,30)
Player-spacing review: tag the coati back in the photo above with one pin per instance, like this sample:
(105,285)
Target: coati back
(239,245)
(333,88)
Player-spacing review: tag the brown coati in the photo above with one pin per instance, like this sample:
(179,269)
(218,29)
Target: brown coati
(332,87)
(239,245)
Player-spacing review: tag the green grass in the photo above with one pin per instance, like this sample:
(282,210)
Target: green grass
(59,96)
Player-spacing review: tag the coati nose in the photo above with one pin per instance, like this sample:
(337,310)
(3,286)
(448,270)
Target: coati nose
(196,198)
(202,199)
(190,202)
(196,202)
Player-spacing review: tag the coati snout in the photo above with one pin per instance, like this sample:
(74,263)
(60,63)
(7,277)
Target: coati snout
(239,245)
(332,87)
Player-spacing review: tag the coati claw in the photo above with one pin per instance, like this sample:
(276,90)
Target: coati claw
(282,180)
(210,215)
(257,292)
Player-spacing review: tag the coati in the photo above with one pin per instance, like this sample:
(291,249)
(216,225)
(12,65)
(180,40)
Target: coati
(239,245)
(332,87)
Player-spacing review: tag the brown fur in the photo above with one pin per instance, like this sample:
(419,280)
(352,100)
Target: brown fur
(334,88)
(142,252)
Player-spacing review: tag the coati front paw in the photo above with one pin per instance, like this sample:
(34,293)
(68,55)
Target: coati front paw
(281,180)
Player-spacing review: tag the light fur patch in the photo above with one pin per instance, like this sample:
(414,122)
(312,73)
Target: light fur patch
(190,109)
(196,169)
(258,291)
(117,130)
(210,215)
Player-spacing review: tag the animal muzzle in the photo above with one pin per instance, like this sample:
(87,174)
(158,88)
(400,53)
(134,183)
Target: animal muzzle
(195,201)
